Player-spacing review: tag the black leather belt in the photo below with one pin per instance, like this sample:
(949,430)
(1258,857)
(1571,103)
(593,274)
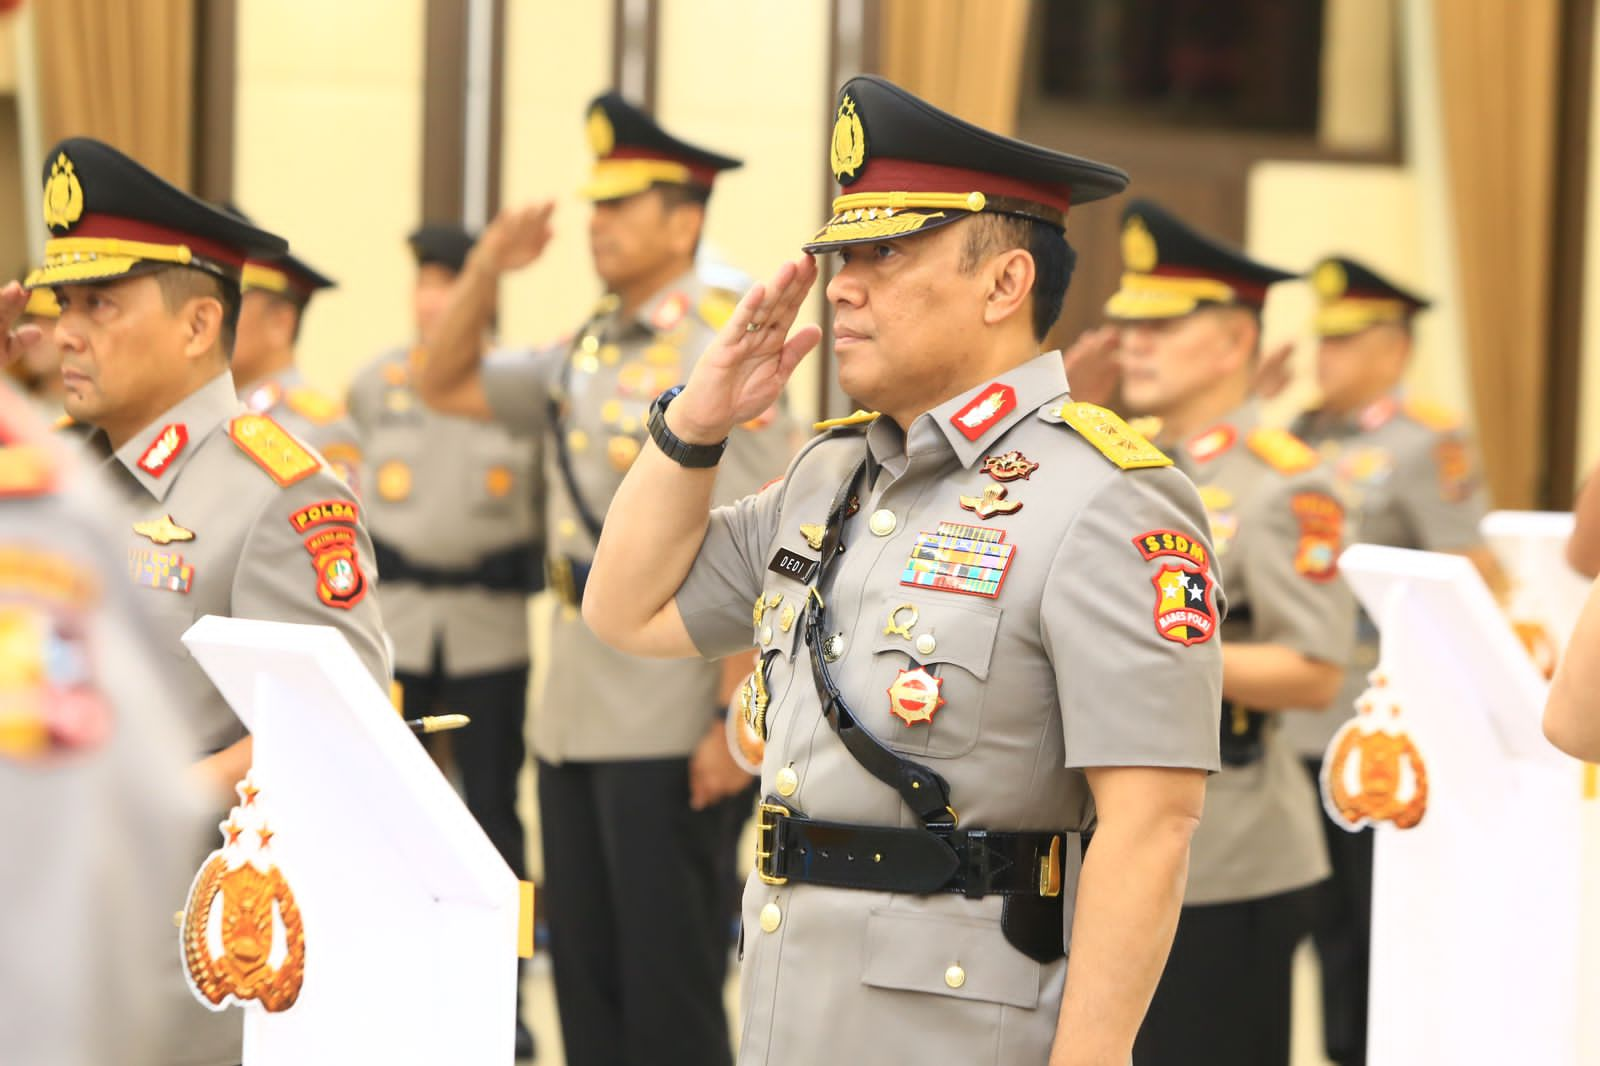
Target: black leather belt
(568,578)
(512,569)
(972,862)
(1241,741)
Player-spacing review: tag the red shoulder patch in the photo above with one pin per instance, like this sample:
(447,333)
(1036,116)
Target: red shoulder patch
(1186,609)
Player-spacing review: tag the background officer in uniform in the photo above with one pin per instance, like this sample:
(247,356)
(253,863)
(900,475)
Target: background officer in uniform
(276,295)
(38,369)
(454,508)
(1189,309)
(92,754)
(1406,473)
(1016,642)
(634,770)
(222,511)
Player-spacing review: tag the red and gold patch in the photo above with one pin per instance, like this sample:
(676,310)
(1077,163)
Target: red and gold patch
(986,409)
(670,312)
(1186,610)
(1009,466)
(322,513)
(1321,520)
(914,696)
(1454,461)
(167,446)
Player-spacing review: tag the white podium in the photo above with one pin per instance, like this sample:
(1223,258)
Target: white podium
(1477,956)
(1532,546)
(410,915)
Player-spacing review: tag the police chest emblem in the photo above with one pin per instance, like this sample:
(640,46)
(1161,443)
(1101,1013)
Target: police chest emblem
(849,148)
(914,696)
(1373,771)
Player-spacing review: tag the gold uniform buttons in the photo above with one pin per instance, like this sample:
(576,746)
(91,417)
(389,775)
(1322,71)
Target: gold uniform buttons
(766,635)
(567,528)
(926,645)
(577,440)
(771,918)
(882,522)
(590,343)
(954,977)
(787,781)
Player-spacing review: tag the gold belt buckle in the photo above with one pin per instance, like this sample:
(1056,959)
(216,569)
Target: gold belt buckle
(767,815)
(1050,870)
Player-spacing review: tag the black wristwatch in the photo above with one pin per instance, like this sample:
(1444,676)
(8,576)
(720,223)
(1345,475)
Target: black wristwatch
(694,456)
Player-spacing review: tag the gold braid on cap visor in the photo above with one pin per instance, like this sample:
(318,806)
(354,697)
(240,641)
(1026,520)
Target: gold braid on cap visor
(612,179)
(1165,296)
(865,215)
(1345,316)
(71,259)
(265,278)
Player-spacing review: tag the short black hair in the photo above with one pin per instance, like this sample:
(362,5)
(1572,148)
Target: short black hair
(182,284)
(1053,260)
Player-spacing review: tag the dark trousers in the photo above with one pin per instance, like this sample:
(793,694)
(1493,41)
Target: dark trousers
(1342,934)
(489,752)
(636,902)
(1224,998)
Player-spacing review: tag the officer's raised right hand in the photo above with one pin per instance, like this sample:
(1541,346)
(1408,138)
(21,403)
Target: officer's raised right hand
(516,237)
(13,299)
(747,366)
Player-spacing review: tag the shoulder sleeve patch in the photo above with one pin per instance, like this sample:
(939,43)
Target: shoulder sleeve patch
(1112,437)
(1435,416)
(857,418)
(273,448)
(716,307)
(1283,451)
(313,406)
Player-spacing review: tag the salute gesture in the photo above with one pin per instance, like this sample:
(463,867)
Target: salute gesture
(517,237)
(746,367)
(18,339)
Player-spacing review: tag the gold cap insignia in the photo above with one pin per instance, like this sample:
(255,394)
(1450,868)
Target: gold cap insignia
(849,148)
(602,138)
(63,195)
(1138,246)
(1329,280)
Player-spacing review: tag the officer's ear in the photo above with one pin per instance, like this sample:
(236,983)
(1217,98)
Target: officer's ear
(1010,276)
(202,324)
(685,220)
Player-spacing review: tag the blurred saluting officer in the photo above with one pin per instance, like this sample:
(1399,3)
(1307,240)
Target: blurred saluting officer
(1409,479)
(222,511)
(1189,310)
(986,620)
(453,505)
(276,295)
(634,768)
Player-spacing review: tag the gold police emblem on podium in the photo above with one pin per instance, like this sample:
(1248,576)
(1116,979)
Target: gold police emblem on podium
(1373,771)
(243,938)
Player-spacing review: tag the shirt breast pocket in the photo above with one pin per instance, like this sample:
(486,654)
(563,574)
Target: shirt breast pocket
(930,671)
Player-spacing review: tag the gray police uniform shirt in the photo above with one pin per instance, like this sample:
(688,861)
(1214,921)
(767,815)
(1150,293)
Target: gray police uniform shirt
(603,383)
(1094,645)
(313,416)
(1278,530)
(448,494)
(223,512)
(1409,478)
(101,826)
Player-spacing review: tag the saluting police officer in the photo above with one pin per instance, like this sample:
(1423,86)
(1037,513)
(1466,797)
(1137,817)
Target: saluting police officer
(1189,329)
(223,511)
(1409,479)
(986,620)
(276,295)
(92,751)
(634,771)
(454,508)
(38,369)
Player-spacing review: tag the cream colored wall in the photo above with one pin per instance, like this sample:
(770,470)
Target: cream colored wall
(557,59)
(765,101)
(1357,103)
(1395,218)
(328,153)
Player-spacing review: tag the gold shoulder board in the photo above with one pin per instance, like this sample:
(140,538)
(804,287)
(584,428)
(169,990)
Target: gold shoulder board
(1283,451)
(313,405)
(855,419)
(716,307)
(1435,416)
(1112,437)
(273,448)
